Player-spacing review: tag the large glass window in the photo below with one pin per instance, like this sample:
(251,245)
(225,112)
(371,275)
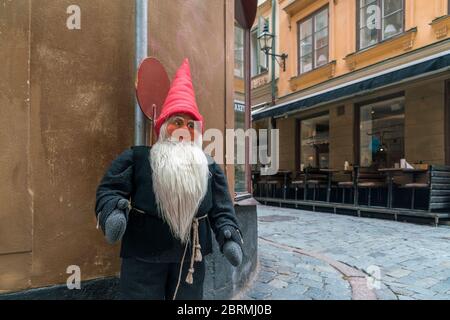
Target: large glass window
(379,20)
(313,41)
(382,134)
(238,52)
(315,142)
(239,169)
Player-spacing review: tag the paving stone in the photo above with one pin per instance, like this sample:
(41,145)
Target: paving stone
(278,284)
(399,273)
(427,282)
(258,295)
(311,283)
(418,290)
(284,270)
(295,290)
(317,294)
(287,278)
(260,287)
(311,276)
(266,277)
(341,290)
(441,287)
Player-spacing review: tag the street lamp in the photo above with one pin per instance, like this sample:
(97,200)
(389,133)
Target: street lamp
(266,45)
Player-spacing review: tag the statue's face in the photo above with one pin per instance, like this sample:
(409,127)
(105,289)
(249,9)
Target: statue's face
(184,123)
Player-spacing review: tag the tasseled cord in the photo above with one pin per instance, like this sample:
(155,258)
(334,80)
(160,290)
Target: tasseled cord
(196,252)
(196,255)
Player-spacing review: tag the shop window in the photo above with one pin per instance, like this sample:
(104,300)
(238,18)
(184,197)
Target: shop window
(379,20)
(382,134)
(314,134)
(313,41)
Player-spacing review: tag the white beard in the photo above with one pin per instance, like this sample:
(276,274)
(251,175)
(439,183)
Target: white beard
(180,182)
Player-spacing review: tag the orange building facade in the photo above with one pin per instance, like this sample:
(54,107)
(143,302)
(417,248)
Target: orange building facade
(366,82)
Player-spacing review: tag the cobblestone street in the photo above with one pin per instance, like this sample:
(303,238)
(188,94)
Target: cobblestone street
(309,255)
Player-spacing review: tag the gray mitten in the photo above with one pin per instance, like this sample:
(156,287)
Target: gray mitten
(233,252)
(116,223)
(231,237)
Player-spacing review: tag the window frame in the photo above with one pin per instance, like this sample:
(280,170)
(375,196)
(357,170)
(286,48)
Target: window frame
(379,31)
(313,35)
(260,69)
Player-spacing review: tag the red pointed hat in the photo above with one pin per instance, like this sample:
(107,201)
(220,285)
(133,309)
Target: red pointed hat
(180,99)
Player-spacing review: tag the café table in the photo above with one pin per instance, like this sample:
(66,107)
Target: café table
(390,172)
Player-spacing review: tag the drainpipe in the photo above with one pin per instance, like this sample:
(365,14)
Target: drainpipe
(273,50)
(248,104)
(140,123)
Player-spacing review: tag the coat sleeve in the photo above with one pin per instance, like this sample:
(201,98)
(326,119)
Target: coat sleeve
(116,184)
(222,213)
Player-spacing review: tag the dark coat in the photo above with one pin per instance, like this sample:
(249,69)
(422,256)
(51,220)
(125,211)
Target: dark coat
(147,236)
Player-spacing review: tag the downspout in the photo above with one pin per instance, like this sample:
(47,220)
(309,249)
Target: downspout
(248,104)
(273,50)
(140,124)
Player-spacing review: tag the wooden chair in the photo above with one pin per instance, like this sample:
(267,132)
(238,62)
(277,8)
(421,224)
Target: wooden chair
(413,181)
(343,180)
(361,178)
(368,178)
(298,182)
(316,179)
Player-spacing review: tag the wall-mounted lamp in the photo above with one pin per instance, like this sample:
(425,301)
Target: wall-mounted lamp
(266,44)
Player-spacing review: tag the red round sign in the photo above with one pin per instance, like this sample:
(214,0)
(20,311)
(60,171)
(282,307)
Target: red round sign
(152,87)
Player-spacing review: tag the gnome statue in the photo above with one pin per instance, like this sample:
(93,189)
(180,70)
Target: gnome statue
(162,202)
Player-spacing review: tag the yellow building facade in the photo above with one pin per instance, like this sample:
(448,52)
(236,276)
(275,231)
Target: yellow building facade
(366,82)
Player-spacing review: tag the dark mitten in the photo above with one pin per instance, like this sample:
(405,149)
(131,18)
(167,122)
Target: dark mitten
(229,233)
(230,241)
(123,204)
(116,222)
(233,252)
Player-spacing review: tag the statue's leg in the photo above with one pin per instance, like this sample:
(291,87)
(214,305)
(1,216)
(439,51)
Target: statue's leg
(143,280)
(185,290)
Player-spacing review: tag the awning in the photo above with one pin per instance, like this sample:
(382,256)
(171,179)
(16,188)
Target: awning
(432,64)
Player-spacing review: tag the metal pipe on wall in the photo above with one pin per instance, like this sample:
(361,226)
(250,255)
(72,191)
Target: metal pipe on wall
(274,46)
(141,47)
(248,104)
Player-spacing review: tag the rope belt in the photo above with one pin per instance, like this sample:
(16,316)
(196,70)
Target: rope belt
(196,255)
